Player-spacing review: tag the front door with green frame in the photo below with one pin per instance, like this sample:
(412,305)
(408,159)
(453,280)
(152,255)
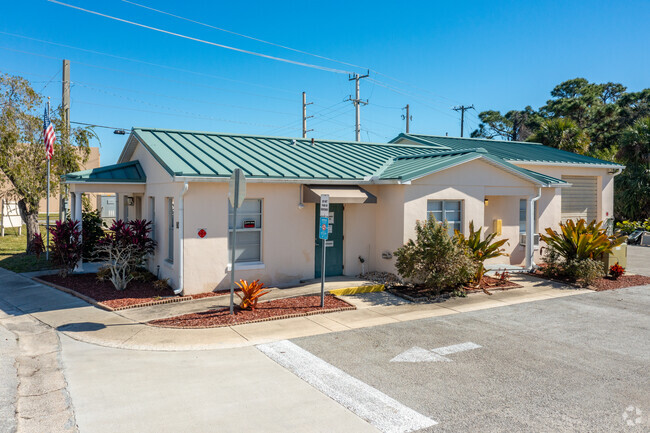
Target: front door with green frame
(334,245)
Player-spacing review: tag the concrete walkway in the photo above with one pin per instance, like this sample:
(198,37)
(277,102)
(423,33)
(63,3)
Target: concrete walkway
(80,321)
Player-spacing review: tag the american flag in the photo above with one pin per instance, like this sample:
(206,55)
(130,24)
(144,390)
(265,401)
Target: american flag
(48,134)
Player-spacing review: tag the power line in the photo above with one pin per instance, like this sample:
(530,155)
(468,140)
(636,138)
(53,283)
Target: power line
(203,41)
(219,77)
(243,35)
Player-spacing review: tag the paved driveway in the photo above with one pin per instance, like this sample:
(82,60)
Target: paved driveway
(566,364)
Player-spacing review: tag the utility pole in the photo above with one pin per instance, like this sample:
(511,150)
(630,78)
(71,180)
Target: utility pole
(408,117)
(304,115)
(358,102)
(462,109)
(65,105)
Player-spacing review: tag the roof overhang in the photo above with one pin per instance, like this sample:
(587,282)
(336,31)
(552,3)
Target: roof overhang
(337,193)
(612,166)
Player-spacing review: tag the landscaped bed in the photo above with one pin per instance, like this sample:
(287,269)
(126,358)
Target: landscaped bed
(103,293)
(605,283)
(422,293)
(269,310)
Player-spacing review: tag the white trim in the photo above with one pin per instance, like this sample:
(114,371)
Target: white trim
(310,181)
(103,183)
(246,266)
(566,164)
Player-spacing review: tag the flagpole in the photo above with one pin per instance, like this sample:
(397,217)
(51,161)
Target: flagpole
(47,201)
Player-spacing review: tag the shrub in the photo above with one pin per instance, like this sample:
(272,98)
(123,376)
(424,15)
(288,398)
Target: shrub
(125,248)
(627,227)
(579,240)
(434,259)
(37,245)
(584,271)
(162,284)
(481,250)
(93,230)
(616,271)
(66,245)
(251,292)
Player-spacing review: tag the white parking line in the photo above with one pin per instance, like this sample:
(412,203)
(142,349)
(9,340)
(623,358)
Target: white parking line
(386,414)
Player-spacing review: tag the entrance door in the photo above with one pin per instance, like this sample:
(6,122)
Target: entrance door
(334,245)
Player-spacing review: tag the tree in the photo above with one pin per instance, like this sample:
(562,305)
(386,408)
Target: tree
(562,134)
(22,152)
(633,198)
(513,126)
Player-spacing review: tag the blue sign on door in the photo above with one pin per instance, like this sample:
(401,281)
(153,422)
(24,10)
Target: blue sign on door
(323,227)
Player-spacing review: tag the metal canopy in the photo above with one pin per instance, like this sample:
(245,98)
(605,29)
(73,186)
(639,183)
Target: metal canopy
(337,193)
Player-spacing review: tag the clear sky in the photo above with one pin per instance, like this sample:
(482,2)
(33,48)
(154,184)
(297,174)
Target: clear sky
(495,55)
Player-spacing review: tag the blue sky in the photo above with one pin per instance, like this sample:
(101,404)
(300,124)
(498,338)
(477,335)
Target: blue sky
(495,55)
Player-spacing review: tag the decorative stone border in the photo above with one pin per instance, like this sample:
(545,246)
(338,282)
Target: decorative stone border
(265,319)
(106,307)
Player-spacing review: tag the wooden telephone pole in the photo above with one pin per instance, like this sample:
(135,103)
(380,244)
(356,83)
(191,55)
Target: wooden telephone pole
(462,109)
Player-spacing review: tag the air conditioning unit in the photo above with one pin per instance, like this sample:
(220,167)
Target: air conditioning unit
(522,240)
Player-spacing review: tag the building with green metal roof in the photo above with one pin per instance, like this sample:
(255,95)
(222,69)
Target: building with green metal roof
(179,180)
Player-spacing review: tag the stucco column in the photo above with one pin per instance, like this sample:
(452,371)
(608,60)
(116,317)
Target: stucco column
(78,217)
(530,229)
(72,206)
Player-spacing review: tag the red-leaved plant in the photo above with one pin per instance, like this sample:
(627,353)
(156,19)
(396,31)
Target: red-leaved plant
(38,246)
(66,245)
(616,271)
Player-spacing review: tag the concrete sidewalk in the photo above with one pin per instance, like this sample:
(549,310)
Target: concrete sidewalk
(80,321)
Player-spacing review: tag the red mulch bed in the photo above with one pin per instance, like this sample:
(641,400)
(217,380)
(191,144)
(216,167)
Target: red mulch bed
(103,292)
(605,283)
(487,283)
(270,310)
(622,281)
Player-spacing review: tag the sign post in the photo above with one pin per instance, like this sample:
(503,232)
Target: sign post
(236,195)
(323,231)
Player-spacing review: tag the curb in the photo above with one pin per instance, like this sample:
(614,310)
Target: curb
(356,290)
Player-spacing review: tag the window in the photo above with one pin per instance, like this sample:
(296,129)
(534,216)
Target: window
(523,211)
(249,232)
(446,210)
(170,227)
(152,216)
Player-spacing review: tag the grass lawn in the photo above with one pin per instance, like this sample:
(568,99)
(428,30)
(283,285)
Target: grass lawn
(12,252)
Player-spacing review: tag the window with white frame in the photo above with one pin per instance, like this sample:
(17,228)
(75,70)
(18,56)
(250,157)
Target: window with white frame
(523,212)
(249,231)
(447,210)
(170,229)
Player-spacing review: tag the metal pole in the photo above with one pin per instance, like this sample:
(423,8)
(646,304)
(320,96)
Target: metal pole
(322,276)
(65,104)
(47,201)
(234,243)
(304,115)
(358,108)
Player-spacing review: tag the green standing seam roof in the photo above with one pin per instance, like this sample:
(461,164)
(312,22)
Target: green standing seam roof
(127,172)
(214,155)
(520,151)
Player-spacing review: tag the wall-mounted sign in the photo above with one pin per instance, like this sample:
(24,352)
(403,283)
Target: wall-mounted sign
(202,233)
(249,224)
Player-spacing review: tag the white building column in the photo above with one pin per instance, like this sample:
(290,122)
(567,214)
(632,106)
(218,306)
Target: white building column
(78,216)
(530,229)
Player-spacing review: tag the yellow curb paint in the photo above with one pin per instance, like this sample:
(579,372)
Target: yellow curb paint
(357,290)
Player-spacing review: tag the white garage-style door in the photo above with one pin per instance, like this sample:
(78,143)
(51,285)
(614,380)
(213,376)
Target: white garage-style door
(580,200)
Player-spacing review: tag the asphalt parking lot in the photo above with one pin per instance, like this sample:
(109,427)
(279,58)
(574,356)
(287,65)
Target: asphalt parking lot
(579,363)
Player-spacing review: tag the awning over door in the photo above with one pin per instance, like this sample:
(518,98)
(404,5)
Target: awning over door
(337,193)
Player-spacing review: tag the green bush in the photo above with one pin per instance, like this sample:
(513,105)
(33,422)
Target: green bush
(93,230)
(585,271)
(626,227)
(435,259)
(481,250)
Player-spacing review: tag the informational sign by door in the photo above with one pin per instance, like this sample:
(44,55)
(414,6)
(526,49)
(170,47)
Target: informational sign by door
(323,233)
